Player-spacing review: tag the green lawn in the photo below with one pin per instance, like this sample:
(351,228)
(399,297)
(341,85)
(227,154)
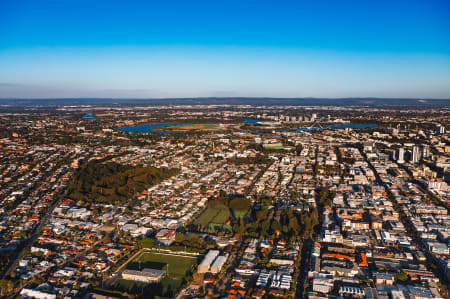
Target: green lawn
(214,227)
(167,288)
(178,269)
(175,266)
(214,215)
(273,146)
(240,214)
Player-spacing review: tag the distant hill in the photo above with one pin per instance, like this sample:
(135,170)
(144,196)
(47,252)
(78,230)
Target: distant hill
(256,101)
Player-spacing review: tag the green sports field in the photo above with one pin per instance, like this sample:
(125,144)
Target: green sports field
(175,266)
(215,217)
(273,146)
(167,288)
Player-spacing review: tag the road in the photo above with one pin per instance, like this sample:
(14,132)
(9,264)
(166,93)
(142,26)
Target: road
(66,263)
(304,267)
(234,262)
(411,231)
(36,232)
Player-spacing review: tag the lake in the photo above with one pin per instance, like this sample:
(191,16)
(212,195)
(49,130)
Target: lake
(150,128)
(89,116)
(250,121)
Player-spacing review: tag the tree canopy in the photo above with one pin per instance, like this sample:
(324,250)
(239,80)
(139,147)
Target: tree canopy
(110,182)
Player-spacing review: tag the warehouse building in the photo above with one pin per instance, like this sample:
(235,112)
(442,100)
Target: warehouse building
(207,261)
(218,264)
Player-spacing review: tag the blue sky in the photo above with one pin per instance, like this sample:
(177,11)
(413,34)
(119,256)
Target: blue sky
(225,48)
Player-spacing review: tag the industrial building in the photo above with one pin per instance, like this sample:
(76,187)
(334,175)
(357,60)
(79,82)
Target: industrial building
(213,262)
(207,261)
(218,263)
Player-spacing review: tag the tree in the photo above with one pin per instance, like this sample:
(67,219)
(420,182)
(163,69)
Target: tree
(102,181)
(275,226)
(180,237)
(6,286)
(402,276)
(265,225)
(107,239)
(324,197)
(293,225)
(261,214)
(240,204)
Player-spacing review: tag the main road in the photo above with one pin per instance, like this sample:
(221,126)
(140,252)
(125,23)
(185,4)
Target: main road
(36,232)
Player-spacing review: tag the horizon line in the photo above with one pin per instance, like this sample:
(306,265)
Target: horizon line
(224,97)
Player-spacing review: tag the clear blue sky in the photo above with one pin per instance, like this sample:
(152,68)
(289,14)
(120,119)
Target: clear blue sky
(164,48)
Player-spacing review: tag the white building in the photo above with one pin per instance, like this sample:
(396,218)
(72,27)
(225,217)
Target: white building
(29,293)
(207,261)
(401,155)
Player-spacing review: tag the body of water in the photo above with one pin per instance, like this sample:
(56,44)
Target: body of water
(250,121)
(150,128)
(89,116)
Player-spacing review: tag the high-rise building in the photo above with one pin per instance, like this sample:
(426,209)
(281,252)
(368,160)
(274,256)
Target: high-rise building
(415,154)
(440,129)
(425,151)
(401,155)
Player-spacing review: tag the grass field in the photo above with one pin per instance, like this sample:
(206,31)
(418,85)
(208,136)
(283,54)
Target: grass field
(215,218)
(194,127)
(240,214)
(217,214)
(175,266)
(167,288)
(273,146)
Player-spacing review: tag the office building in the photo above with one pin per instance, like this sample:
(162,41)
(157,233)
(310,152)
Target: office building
(401,155)
(415,154)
